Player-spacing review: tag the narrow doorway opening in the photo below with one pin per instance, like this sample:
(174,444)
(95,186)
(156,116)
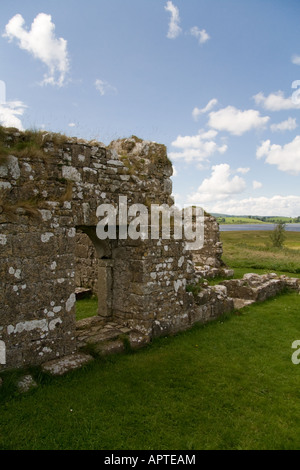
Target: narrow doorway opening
(94,275)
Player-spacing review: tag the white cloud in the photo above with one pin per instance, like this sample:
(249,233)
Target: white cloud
(263,149)
(243,171)
(72,124)
(194,141)
(276,101)
(197,147)
(201,35)
(196,111)
(2,92)
(175,172)
(288,125)
(288,206)
(174,28)
(9,113)
(104,87)
(220,185)
(235,121)
(286,157)
(41,42)
(256,185)
(296,59)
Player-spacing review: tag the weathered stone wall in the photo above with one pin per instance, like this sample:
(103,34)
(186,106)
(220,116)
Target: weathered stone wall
(50,191)
(211,254)
(208,260)
(157,299)
(210,303)
(258,288)
(50,188)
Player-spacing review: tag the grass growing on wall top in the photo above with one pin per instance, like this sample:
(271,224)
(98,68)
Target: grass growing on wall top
(28,143)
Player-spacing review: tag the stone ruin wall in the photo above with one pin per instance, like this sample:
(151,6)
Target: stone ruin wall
(211,254)
(49,195)
(207,261)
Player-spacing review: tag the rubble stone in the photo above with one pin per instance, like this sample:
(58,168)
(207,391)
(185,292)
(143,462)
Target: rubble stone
(67,363)
(26,383)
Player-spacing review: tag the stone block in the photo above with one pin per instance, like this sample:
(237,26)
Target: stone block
(67,363)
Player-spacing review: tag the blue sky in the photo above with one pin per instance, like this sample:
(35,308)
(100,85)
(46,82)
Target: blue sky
(210,79)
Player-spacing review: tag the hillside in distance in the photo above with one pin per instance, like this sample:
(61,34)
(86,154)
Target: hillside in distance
(253,219)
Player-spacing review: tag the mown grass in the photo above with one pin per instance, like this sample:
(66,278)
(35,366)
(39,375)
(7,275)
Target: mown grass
(229,384)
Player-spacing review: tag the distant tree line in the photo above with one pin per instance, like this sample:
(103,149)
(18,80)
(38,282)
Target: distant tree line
(273,220)
(277,220)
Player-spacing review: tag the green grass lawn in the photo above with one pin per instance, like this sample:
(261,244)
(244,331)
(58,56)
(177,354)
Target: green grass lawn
(229,384)
(251,250)
(86,308)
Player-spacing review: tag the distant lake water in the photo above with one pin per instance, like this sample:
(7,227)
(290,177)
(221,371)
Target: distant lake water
(242,227)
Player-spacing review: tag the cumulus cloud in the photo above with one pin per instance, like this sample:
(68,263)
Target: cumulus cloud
(2,92)
(10,113)
(296,59)
(256,185)
(288,206)
(276,101)
(220,185)
(235,121)
(263,149)
(104,87)
(40,41)
(196,111)
(243,171)
(288,125)
(285,157)
(201,35)
(197,147)
(174,28)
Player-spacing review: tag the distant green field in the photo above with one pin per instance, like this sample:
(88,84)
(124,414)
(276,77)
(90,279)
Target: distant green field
(250,220)
(248,250)
(238,220)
